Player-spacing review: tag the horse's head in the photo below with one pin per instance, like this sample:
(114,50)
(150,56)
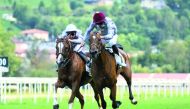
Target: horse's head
(63,49)
(95,44)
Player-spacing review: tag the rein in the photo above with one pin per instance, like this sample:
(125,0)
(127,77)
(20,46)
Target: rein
(97,45)
(65,60)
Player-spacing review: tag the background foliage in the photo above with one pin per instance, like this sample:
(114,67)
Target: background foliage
(157,39)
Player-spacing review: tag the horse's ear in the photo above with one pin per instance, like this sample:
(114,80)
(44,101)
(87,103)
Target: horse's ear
(91,33)
(98,36)
(57,39)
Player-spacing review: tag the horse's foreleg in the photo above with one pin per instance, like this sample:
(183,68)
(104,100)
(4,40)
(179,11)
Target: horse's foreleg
(95,93)
(115,104)
(55,102)
(75,89)
(128,80)
(81,99)
(102,98)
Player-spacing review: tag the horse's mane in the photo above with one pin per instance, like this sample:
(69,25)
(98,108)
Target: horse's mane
(59,40)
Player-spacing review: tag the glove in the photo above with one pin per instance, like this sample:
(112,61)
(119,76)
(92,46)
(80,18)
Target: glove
(82,43)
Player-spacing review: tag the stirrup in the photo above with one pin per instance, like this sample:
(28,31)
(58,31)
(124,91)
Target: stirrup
(123,64)
(89,74)
(87,69)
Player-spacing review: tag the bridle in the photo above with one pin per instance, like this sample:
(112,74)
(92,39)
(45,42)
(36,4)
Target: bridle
(65,59)
(96,44)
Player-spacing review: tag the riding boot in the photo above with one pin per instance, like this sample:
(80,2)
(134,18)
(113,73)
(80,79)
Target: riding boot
(87,63)
(88,68)
(118,57)
(115,49)
(83,56)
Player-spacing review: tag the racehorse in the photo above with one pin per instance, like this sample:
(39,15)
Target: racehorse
(71,72)
(105,70)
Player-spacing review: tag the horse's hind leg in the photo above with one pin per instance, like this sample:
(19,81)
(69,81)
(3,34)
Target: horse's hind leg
(128,80)
(115,104)
(81,99)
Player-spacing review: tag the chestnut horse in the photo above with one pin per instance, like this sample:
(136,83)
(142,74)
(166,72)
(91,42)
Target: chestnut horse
(71,72)
(105,71)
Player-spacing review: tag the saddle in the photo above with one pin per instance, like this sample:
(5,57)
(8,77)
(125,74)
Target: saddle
(110,50)
(83,56)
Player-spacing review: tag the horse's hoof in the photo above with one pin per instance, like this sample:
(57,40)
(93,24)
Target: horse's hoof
(134,101)
(56,106)
(116,104)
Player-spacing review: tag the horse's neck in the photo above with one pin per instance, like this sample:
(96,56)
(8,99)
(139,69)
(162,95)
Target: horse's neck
(73,58)
(71,54)
(103,57)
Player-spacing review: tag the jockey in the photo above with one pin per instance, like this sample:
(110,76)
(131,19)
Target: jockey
(77,41)
(109,34)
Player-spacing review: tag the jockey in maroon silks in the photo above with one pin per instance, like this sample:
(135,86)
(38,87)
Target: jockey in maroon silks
(108,31)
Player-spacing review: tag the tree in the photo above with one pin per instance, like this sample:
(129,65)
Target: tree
(175,54)
(42,8)
(20,13)
(38,62)
(187,39)
(132,41)
(61,7)
(75,4)
(14,5)
(178,5)
(7,49)
(32,21)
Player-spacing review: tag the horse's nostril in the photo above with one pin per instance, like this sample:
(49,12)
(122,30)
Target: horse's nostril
(93,52)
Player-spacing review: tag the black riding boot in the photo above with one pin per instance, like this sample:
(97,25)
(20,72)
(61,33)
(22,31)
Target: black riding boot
(118,57)
(83,56)
(115,49)
(87,61)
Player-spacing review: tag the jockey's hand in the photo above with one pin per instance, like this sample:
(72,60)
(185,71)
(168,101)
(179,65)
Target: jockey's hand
(82,43)
(69,40)
(100,37)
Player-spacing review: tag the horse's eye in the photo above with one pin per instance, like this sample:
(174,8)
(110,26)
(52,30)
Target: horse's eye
(66,49)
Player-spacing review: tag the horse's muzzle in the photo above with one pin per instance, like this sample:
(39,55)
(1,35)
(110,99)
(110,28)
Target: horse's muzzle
(93,53)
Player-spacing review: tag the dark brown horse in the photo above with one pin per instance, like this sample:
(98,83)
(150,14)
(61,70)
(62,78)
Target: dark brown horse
(71,72)
(105,70)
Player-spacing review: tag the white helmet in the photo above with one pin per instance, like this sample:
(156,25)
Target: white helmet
(71,27)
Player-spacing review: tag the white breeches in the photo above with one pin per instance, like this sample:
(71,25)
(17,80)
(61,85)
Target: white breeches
(78,48)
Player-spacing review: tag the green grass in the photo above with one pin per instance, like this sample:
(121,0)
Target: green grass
(155,102)
(152,103)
